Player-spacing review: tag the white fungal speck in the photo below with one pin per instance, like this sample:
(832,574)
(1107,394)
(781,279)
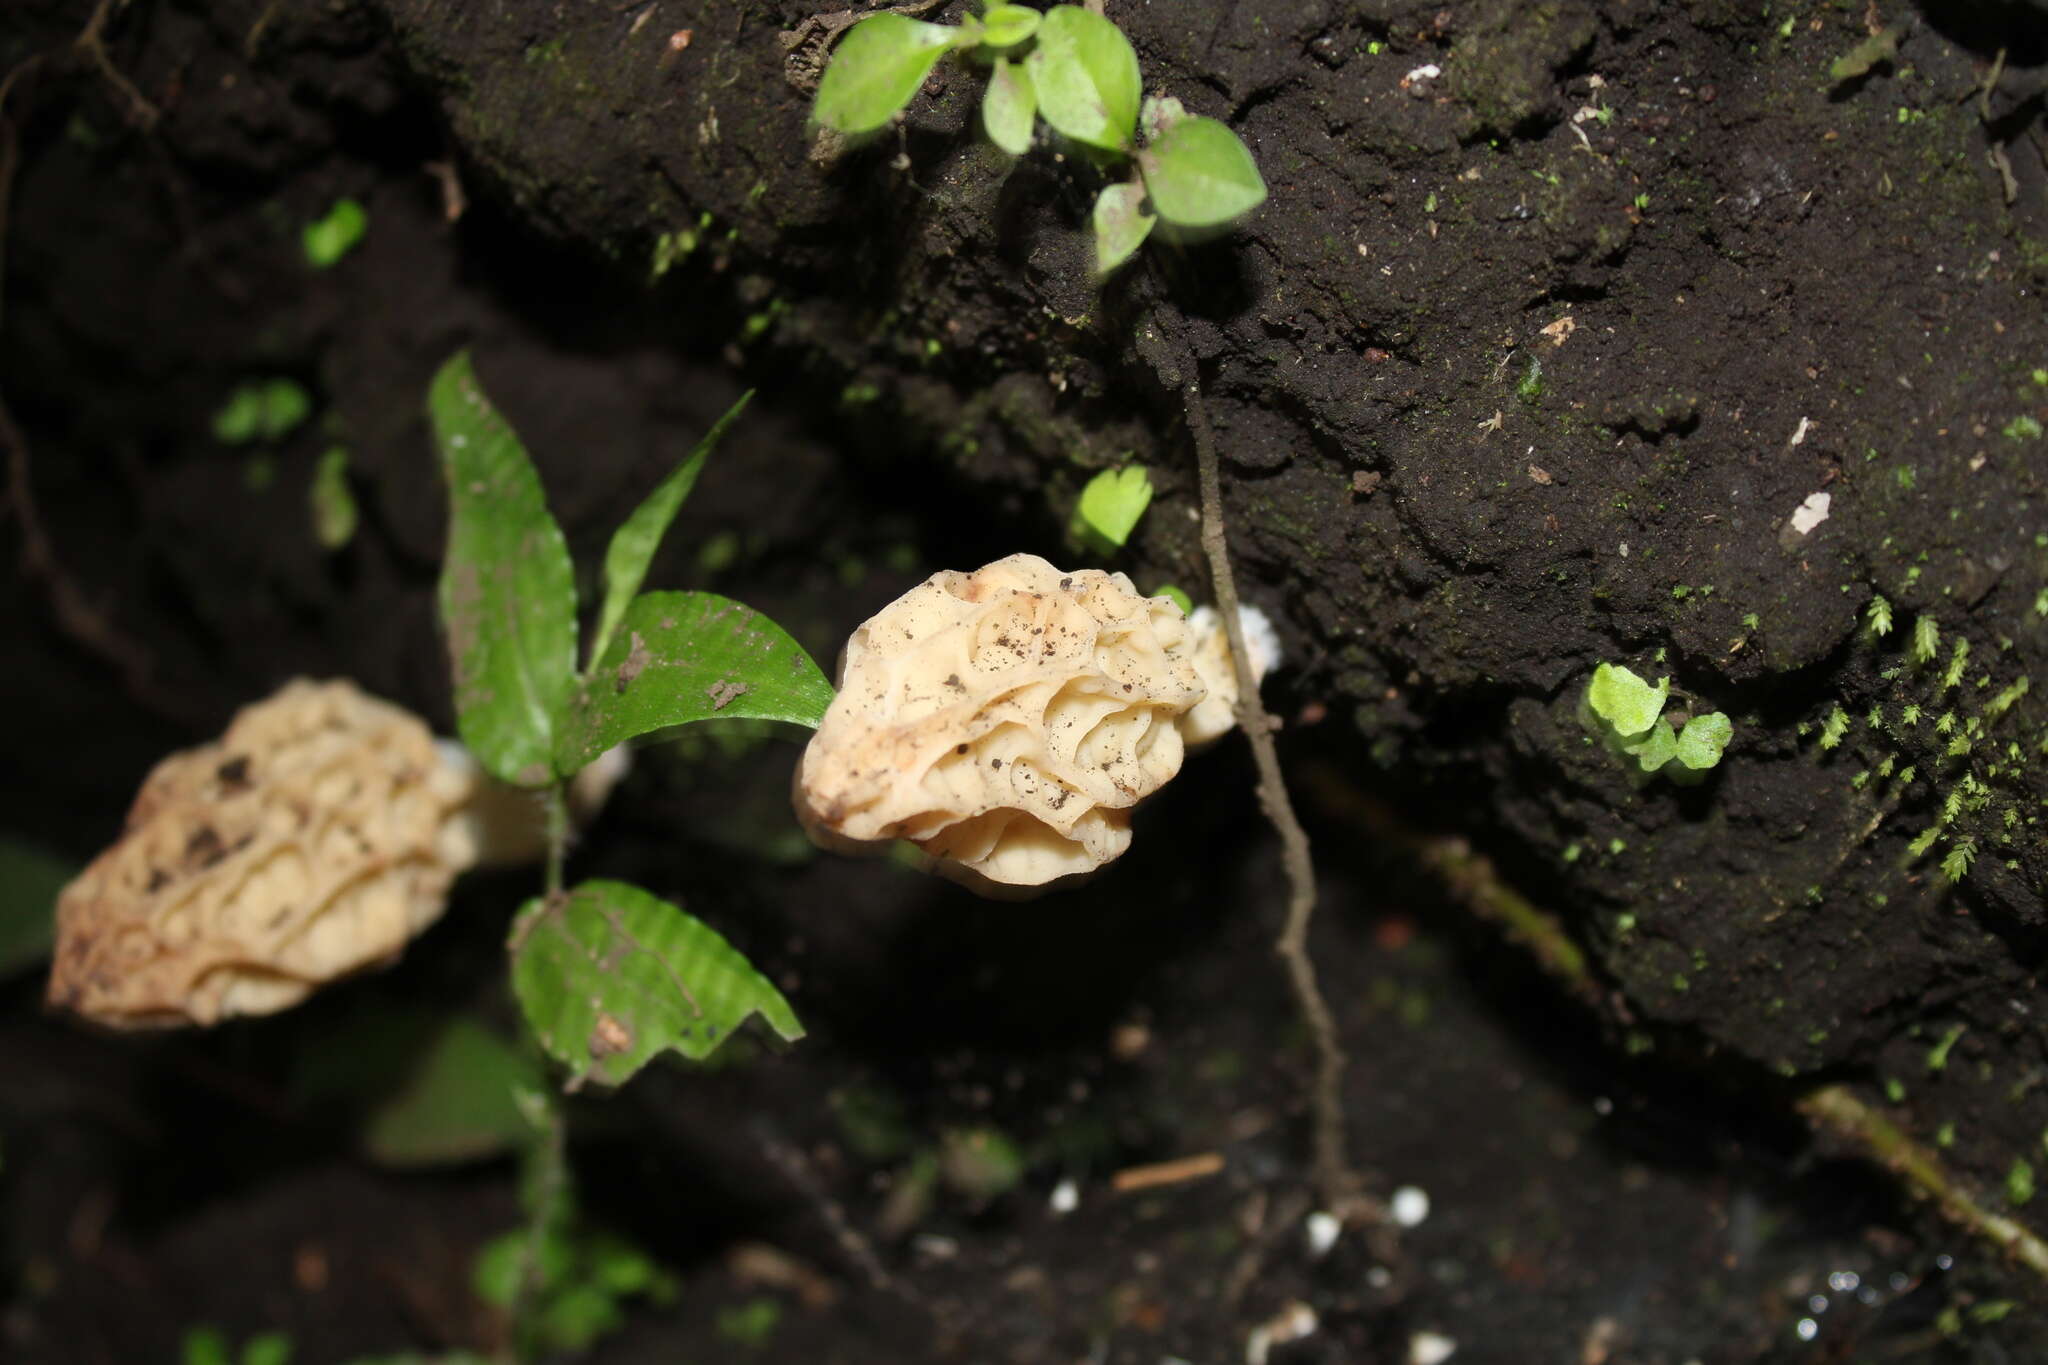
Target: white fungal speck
(1321,1231)
(1811,513)
(1430,1348)
(1409,1206)
(1066,1197)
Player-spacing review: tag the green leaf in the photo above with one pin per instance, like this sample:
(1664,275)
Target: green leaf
(634,543)
(1700,746)
(204,1346)
(1177,596)
(1121,225)
(878,67)
(1005,26)
(30,881)
(680,657)
(1087,79)
(457,1104)
(1008,106)
(1654,748)
(267,1348)
(326,240)
(1158,113)
(610,975)
(1112,503)
(333,501)
(1199,174)
(1624,700)
(508,593)
(263,411)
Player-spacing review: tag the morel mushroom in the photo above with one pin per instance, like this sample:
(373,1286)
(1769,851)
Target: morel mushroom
(1005,721)
(316,837)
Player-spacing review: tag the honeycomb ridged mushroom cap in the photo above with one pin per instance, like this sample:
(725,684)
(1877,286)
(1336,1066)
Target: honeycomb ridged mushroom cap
(316,837)
(1005,721)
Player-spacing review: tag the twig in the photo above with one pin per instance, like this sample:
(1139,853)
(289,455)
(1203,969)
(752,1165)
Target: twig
(1335,1180)
(1835,1108)
(1176,1172)
(91,41)
(551,1154)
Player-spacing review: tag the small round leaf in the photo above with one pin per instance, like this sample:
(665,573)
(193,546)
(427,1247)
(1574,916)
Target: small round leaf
(1008,107)
(878,67)
(1200,174)
(1700,745)
(1121,225)
(1087,78)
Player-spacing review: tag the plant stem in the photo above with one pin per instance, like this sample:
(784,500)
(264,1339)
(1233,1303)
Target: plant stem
(549,1176)
(555,806)
(1335,1181)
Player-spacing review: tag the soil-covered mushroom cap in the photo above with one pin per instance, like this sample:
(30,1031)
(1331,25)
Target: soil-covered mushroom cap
(316,837)
(1005,721)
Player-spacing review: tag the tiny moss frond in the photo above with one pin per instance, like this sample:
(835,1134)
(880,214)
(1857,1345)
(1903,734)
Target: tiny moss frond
(1926,639)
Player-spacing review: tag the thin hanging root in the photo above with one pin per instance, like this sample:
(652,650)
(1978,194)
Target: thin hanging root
(1337,1183)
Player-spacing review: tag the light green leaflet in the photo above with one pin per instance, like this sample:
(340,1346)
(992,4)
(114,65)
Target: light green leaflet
(1703,740)
(1624,700)
(508,593)
(1200,175)
(332,501)
(680,657)
(1005,26)
(610,975)
(1008,107)
(326,240)
(878,67)
(1121,225)
(1087,78)
(633,544)
(1113,501)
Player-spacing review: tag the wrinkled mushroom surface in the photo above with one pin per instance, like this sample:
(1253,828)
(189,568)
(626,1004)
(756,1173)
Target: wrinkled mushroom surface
(316,837)
(1005,721)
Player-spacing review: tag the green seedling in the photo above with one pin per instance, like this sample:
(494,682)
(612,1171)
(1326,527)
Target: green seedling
(1110,507)
(209,1346)
(608,974)
(333,502)
(262,411)
(1628,714)
(329,238)
(1074,71)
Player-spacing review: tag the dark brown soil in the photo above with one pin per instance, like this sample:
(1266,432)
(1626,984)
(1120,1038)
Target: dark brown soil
(1525,366)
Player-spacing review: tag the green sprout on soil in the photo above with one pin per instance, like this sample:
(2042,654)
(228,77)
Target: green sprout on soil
(1627,713)
(262,411)
(333,503)
(1110,507)
(1076,72)
(209,1346)
(607,974)
(1879,615)
(327,239)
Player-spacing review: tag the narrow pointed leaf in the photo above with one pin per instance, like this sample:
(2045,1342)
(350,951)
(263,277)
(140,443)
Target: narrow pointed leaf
(610,975)
(1008,107)
(680,657)
(1121,225)
(1200,174)
(878,67)
(508,593)
(634,543)
(1086,76)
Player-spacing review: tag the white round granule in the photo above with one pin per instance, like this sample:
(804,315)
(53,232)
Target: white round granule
(1321,1230)
(1430,1348)
(1409,1206)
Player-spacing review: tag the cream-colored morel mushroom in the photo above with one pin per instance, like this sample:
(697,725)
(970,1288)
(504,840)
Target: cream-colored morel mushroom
(316,837)
(1006,721)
